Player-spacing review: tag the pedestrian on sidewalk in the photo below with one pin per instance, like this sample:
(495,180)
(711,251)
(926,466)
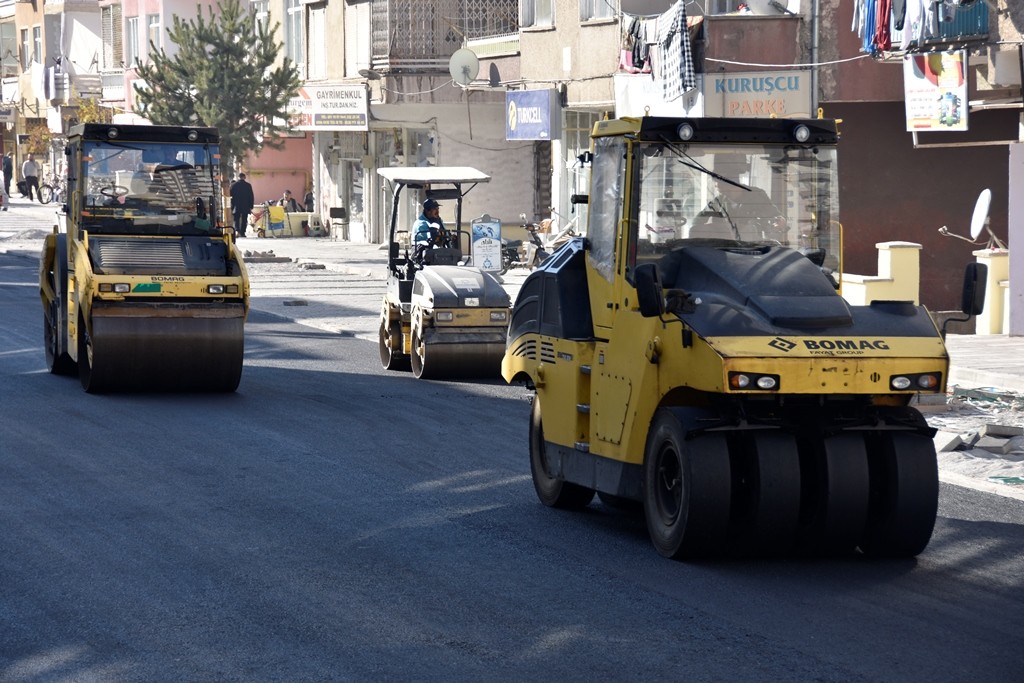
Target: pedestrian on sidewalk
(242,201)
(8,172)
(30,174)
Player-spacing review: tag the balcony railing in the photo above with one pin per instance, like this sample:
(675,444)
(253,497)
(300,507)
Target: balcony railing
(113,85)
(969,25)
(421,35)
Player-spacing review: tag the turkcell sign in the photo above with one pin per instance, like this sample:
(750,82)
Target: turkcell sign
(756,94)
(532,115)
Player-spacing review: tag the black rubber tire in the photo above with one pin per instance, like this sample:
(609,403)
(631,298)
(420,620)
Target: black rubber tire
(551,491)
(418,358)
(768,512)
(58,360)
(389,335)
(904,494)
(836,494)
(91,381)
(687,489)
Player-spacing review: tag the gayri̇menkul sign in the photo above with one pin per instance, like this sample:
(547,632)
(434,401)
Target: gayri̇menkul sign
(758,93)
(330,107)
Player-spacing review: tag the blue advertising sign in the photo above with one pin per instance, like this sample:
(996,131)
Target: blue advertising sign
(532,115)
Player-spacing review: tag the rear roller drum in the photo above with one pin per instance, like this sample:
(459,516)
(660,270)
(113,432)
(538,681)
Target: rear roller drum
(904,494)
(439,360)
(552,491)
(687,489)
(160,354)
(391,356)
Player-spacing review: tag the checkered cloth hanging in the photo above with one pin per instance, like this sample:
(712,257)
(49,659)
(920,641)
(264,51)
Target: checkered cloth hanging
(676,61)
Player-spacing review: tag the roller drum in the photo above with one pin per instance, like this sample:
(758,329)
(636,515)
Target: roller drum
(174,348)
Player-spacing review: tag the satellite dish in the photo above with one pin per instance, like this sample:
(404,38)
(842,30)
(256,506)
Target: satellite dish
(464,66)
(980,213)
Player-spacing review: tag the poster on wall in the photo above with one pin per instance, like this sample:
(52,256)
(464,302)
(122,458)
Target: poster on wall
(935,91)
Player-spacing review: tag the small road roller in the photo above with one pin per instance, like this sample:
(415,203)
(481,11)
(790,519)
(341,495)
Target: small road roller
(144,289)
(440,318)
(694,353)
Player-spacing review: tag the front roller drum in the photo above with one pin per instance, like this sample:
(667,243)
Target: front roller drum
(162,353)
(433,359)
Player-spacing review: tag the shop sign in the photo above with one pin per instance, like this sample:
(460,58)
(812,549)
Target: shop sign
(532,115)
(758,94)
(330,108)
(8,114)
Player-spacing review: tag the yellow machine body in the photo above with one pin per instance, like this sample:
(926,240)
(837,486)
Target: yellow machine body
(145,290)
(721,379)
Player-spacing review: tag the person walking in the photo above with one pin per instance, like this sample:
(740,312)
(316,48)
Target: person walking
(8,172)
(242,201)
(30,174)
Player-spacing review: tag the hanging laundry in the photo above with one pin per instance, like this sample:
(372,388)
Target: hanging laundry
(676,59)
(899,12)
(883,35)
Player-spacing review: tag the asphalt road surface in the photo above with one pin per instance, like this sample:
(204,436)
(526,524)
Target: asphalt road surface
(331,521)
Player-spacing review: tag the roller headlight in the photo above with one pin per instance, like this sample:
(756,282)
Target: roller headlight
(499,316)
(900,383)
(215,289)
(444,316)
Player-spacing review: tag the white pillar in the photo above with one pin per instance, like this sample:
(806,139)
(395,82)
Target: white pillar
(1015,219)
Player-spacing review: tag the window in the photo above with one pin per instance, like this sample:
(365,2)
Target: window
(110,25)
(37,44)
(597,9)
(605,203)
(293,31)
(26,54)
(152,35)
(536,13)
(261,13)
(8,49)
(316,64)
(131,42)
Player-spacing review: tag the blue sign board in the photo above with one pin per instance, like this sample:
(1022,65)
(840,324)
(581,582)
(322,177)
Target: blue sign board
(532,115)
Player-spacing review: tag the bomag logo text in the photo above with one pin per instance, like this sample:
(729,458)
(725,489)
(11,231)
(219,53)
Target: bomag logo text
(845,346)
(167,278)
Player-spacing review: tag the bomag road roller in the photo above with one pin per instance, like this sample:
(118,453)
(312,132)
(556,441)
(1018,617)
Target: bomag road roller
(694,353)
(440,317)
(145,289)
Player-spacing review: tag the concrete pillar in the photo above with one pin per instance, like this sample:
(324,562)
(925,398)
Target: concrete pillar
(1016,238)
(998,262)
(901,263)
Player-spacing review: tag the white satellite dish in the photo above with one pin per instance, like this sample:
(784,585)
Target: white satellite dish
(464,66)
(980,213)
(979,222)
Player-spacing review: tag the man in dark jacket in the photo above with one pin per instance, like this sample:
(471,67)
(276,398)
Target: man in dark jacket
(242,201)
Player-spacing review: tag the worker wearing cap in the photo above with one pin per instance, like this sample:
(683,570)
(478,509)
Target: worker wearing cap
(429,231)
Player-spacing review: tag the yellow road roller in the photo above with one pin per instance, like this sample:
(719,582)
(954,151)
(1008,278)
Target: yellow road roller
(694,354)
(440,318)
(144,290)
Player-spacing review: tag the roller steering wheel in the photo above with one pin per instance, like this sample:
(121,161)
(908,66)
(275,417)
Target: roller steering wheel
(114,191)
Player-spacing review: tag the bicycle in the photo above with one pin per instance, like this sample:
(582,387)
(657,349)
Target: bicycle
(53,189)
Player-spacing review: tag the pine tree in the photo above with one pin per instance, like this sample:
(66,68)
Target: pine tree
(223,75)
